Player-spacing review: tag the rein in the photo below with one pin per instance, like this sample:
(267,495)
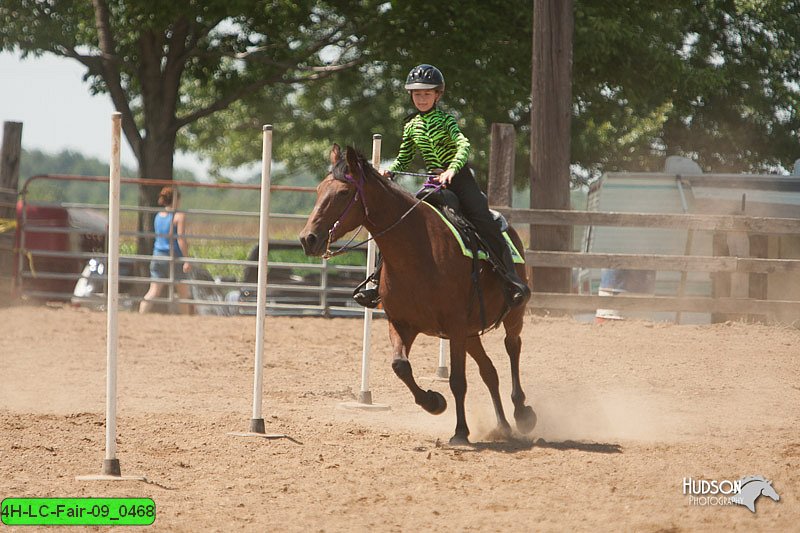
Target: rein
(359,185)
(429,176)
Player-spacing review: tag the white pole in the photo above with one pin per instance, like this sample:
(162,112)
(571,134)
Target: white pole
(257,428)
(111,469)
(111,463)
(365,396)
(442,371)
(257,422)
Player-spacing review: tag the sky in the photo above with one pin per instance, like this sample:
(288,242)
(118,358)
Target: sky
(57,112)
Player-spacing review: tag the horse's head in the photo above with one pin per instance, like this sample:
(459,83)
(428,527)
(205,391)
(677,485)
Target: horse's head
(340,206)
(768,490)
(751,488)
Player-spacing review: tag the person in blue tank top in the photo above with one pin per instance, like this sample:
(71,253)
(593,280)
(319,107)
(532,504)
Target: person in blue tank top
(169,226)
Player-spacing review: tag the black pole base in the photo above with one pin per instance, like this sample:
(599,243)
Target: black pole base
(257,425)
(111,467)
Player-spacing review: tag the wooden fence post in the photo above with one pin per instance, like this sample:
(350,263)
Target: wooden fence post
(720,281)
(9,181)
(500,187)
(9,167)
(759,247)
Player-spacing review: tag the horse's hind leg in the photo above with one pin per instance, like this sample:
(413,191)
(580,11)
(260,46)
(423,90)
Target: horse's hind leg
(489,375)
(458,385)
(523,414)
(401,338)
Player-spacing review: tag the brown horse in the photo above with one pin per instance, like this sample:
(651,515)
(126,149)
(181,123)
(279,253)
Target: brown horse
(425,283)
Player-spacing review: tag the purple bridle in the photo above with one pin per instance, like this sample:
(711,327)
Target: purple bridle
(359,185)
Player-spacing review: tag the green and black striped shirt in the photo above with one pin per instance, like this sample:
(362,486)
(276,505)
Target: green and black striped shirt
(438,139)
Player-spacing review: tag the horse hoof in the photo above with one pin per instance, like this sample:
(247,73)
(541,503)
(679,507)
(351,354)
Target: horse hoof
(459,440)
(501,433)
(434,403)
(526,419)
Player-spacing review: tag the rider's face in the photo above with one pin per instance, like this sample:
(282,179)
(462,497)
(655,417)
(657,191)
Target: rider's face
(424,99)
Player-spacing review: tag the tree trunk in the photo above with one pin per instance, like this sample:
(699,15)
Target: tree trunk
(160,80)
(551,115)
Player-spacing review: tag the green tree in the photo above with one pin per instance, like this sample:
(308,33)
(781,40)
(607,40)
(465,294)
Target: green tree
(710,80)
(738,107)
(474,42)
(166,65)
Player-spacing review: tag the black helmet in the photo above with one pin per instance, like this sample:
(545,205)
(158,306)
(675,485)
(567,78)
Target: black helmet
(425,77)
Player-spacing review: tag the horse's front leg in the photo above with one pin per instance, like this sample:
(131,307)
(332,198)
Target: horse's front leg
(458,384)
(490,378)
(402,337)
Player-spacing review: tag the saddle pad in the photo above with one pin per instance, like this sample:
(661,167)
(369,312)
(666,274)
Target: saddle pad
(515,255)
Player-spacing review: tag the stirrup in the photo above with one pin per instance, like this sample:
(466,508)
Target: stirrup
(367,298)
(518,294)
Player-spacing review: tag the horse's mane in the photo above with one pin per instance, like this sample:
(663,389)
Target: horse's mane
(340,171)
(748,479)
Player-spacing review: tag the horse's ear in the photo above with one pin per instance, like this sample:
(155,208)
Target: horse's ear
(336,154)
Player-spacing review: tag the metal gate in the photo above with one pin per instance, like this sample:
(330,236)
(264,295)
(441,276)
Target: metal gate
(60,249)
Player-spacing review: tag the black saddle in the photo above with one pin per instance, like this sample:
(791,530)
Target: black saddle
(447,203)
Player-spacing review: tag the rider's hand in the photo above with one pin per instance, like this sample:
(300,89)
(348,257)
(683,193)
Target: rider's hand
(387,174)
(187,267)
(445,177)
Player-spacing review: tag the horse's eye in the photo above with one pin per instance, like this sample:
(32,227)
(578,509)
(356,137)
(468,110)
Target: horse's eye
(342,193)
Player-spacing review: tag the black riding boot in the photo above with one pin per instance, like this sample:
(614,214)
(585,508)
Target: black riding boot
(517,291)
(367,297)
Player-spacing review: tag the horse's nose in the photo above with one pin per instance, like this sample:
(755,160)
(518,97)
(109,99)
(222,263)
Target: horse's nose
(309,242)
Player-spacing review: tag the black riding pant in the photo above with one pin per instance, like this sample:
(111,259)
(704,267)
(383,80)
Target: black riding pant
(475,207)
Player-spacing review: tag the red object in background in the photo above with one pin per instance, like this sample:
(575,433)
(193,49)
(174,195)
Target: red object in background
(88,235)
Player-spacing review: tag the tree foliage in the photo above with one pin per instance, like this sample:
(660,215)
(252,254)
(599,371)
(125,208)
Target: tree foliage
(737,108)
(166,65)
(711,79)
(474,42)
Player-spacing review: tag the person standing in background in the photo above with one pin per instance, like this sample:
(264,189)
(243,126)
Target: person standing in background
(169,226)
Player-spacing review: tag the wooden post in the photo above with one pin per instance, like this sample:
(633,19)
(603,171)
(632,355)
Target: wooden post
(9,180)
(739,246)
(9,167)
(759,247)
(501,165)
(551,116)
(730,284)
(720,281)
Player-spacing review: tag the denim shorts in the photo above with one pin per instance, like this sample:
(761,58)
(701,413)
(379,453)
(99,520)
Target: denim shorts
(159,268)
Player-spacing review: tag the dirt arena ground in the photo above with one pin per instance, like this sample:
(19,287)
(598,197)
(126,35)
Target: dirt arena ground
(626,412)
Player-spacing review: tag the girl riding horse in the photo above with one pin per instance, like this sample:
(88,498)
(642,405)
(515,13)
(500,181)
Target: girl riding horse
(445,151)
(425,285)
